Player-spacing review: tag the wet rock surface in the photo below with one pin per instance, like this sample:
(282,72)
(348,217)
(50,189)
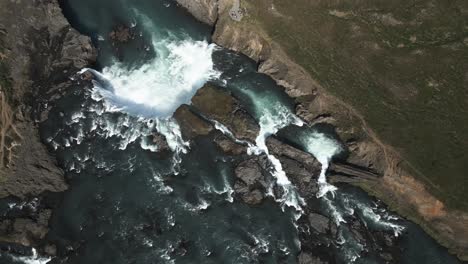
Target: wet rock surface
(251,183)
(122,34)
(319,223)
(318,233)
(219,105)
(25,223)
(191,125)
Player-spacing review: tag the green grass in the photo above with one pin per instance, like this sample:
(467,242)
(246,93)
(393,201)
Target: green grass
(403,65)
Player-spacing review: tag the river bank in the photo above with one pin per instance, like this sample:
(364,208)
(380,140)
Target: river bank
(244,30)
(38,49)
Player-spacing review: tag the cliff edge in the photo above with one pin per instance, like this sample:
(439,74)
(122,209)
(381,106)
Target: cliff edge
(38,50)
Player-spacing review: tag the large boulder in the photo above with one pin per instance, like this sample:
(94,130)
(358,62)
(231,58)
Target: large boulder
(190,124)
(250,184)
(217,104)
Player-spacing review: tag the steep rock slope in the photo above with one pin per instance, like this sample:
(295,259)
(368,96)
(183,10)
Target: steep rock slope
(38,51)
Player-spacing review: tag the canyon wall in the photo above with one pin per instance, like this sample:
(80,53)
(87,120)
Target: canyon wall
(38,52)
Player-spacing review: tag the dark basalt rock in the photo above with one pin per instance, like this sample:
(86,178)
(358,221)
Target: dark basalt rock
(305,258)
(319,222)
(251,182)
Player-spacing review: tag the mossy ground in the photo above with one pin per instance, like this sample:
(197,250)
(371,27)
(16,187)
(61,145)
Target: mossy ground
(403,65)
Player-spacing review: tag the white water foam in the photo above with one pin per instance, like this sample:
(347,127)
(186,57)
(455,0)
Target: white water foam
(334,212)
(269,125)
(323,149)
(229,134)
(374,215)
(227,188)
(154,90)
(272,120)
(34,259)
(159,87)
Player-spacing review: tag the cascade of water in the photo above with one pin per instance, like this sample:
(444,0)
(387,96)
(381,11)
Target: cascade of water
(153,91)
(323,149)
(269,125)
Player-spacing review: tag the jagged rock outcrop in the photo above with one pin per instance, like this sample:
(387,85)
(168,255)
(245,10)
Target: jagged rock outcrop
(204,10)
(39,51)
(251,183)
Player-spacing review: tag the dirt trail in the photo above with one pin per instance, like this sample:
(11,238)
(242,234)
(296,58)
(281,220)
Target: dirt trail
(7,131)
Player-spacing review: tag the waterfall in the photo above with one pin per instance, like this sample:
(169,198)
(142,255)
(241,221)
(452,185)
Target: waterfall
(323,149)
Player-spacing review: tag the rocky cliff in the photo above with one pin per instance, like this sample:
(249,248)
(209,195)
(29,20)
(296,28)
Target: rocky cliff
(264,31)
(38,51)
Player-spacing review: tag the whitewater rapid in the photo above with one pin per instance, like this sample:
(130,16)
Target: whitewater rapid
(153,91)
(159,87)
(272,119)
(33,259)
(323,148)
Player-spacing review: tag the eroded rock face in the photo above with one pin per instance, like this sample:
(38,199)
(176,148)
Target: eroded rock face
(250,184)
(40,51)
(39,71)
(160,141)
(300,167)
(204,10)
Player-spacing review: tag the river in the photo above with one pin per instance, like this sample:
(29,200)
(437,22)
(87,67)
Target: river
(129,203)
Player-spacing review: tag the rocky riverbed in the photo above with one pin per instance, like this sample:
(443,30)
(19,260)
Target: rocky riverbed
(225,170)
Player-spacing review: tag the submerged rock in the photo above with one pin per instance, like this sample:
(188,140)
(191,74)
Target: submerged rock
(121,34)
(364,120)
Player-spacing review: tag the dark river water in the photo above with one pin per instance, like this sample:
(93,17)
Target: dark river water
(128,203)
